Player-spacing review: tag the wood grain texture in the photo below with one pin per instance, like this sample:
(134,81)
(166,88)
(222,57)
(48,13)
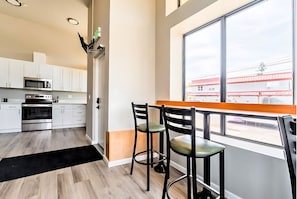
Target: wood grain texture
(265,108)
(92,180)
(120,144)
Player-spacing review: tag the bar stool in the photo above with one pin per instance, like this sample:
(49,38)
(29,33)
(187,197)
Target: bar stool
(287,127)
(181,137)
(142,125)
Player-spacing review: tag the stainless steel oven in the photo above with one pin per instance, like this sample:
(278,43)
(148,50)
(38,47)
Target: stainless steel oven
(37,112)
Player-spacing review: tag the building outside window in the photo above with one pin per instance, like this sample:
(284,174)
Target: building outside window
(244,57)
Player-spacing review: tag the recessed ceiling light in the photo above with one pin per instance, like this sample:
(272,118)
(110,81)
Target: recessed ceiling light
(72,21)
(14,2)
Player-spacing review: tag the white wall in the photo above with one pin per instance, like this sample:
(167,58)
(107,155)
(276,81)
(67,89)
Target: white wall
(131,59)
(19,38)
(249,175)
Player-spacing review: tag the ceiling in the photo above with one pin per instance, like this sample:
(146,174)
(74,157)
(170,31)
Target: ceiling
(51,13)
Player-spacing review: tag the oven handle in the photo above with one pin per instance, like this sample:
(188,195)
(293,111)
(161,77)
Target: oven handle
(37,105)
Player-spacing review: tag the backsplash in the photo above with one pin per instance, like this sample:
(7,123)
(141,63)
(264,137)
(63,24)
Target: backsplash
(18,95)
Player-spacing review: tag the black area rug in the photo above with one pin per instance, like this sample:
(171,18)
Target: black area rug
(21,166)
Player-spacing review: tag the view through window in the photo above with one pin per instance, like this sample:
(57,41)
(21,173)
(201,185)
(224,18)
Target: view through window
(252,55)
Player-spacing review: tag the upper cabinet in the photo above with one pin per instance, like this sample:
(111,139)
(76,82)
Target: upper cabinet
(79,80)
(35,70)
(11,75)
(68,79)
(64,78)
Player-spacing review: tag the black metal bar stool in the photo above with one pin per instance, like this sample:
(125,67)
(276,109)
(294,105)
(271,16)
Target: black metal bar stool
(287,127)
(181,137)
(142,125)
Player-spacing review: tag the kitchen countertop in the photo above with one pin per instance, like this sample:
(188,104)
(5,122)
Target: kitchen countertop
(69,102)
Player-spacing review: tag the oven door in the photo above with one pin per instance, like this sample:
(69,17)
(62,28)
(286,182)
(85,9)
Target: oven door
(36,111)
(36,117)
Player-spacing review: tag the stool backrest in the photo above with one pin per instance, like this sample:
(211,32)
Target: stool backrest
(140,113)
(287,126)
(181,121)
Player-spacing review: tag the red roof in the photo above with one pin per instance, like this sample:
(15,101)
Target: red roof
(244,79)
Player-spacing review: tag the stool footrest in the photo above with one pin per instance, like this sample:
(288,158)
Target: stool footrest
(202,193)
(143,162)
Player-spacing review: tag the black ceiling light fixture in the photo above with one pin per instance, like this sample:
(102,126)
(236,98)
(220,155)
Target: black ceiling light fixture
(72,21)
(14,2)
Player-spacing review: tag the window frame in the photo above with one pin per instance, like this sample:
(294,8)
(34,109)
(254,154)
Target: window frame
(223,69)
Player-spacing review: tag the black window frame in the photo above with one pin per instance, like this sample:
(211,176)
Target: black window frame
(223,75)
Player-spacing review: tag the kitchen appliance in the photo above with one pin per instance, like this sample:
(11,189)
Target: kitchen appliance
(37,112)
(37,84)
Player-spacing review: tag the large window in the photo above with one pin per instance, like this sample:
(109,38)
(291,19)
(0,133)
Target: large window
(243,57)
(203,65)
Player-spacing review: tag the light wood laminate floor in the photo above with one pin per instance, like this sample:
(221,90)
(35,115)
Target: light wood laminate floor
(92,180)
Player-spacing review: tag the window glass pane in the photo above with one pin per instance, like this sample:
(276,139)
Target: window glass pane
(259,54)
(253,129)
(202,64)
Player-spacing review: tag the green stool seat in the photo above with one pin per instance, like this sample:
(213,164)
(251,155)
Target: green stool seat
(153,127)
(204,148)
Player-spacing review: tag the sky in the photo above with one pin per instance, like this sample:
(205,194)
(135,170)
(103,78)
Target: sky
(259,34)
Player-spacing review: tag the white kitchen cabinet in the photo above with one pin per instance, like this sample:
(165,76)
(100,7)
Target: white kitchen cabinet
(4,72)
(83,80)
(69,116)
(62,79)
(57,78)
(67,79)
(10,117)
(37,70)
(79,115)
(11,73)
(45,71)
(16,74)
(75,80)
(79,80)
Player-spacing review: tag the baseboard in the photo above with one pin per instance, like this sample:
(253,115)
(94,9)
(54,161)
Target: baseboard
(90,140)
(182,169)
(126,160)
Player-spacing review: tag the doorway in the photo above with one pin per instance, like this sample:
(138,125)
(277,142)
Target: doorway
(100,102)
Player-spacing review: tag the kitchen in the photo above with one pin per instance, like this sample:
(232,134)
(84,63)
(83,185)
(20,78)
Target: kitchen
(32,94)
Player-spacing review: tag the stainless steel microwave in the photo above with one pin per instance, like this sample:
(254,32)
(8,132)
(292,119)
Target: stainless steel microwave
(37,84)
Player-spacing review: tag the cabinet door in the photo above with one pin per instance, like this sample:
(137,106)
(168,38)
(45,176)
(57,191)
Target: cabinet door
(83,81)
(57,116)
(4,72)
(30,69)
(76,80)
(16,75)
(10,116)
(67,79)
(79,115)
(57,78)
(67,115)
(45,71)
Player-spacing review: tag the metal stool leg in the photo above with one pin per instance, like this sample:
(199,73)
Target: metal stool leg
(152,150)
(148,161)
(133,156)
(222,175)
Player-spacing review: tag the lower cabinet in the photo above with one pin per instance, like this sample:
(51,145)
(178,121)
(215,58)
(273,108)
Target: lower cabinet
(69,116)
(11,118)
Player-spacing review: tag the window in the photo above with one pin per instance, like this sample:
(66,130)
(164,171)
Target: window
(259,54)
(202,60)
(243,57)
